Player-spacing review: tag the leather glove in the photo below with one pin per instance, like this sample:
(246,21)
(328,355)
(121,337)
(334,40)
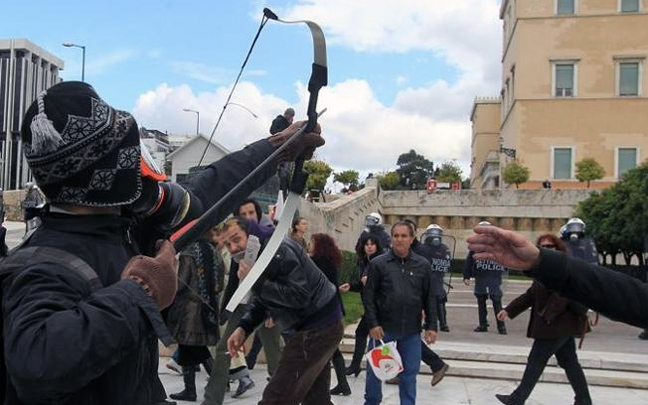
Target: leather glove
(305,144)
(157,275)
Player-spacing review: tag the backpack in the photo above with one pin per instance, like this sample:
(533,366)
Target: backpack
(20,258)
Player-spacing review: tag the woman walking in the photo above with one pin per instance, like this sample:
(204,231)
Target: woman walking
(553,324)
(328,258)
(193,317)
(370,249)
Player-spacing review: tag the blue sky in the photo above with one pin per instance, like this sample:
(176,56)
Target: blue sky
(402,75)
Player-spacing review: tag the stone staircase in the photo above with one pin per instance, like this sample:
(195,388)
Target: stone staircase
(508,362)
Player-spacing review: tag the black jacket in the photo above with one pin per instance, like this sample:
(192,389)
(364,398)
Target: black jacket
(279,124)
(331,272)
(292,290)
(397,291)
(66,345)
(613,294)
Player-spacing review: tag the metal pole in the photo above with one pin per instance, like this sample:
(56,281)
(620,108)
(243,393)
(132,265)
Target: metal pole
(83,65)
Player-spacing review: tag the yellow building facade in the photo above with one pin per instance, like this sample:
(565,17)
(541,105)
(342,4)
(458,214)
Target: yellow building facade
(574,79)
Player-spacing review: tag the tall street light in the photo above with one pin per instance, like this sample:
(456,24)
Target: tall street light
(71,45)
(197,118)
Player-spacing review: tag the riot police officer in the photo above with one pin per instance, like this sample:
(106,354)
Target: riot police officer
(488,283)
(579,245)
(440,259)
(373,226)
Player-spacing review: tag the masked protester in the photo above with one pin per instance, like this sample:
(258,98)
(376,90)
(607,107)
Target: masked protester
(80,303)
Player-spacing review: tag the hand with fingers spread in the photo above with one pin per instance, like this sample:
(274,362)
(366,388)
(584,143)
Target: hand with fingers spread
(507,248)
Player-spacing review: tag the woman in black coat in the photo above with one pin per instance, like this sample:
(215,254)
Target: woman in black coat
(328,258)
(371,248)
(553,324)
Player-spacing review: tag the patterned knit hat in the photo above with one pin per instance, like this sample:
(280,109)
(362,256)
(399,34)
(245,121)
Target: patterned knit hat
(81,150)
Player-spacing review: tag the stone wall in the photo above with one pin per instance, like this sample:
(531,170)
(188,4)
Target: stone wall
(529,212)
(343,218)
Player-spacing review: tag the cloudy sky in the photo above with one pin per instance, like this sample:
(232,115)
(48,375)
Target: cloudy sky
(402,74)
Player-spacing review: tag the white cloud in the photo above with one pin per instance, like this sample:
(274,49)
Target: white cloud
(361,133)
(466,34)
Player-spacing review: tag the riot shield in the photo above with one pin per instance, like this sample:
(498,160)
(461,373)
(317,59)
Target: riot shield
(584,249)
(442,251)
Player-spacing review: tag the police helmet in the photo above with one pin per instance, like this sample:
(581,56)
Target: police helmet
(373,219)
(433,234)
(575,228)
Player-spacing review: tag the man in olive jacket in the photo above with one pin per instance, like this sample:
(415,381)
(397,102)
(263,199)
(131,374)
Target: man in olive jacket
(399,287)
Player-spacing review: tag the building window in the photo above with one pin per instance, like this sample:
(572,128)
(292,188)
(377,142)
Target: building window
(562,163)
(630,6)
(564,79)
(626,160)
(629,74)
(565,7)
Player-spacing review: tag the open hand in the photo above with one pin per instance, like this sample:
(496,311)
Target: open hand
(507,248)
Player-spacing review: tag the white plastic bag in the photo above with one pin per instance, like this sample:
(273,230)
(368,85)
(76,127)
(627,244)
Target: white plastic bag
(385,361)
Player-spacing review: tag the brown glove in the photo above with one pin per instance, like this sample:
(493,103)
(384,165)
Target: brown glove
(157,275)
(305,144)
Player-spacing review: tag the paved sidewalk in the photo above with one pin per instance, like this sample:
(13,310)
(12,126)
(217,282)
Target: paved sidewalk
(451,391)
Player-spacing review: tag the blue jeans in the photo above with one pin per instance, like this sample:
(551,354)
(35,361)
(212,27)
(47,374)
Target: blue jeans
(409,348)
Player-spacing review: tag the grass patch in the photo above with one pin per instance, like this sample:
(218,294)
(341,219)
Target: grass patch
(352,306)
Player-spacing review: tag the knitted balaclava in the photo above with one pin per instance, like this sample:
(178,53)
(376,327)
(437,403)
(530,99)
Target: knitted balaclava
(81,150)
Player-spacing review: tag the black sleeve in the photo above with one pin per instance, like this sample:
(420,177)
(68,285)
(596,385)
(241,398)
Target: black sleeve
(468,268)
(59,337)
(221,176)
(369,295)
(613,294)
(355,284)
(230,289)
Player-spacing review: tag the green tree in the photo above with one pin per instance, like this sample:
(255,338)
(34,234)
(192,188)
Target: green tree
(389,181)
(515,173)
(617,218)
(413,170)
(589,169)
(348,177)
(319,172)
(449,172)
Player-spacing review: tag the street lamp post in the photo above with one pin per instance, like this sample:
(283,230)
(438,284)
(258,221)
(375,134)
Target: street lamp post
(82,47)
(243,107)
(197,118)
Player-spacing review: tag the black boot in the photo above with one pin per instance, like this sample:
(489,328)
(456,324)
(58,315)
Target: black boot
(441,312)
(483,314)
(189,393)
(497,307)
(340,372)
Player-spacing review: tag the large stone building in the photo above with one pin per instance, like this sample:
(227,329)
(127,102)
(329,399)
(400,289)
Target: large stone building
(573,87)
(25,71)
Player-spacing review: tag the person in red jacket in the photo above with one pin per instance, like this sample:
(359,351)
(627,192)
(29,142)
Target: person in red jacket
(553,324)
